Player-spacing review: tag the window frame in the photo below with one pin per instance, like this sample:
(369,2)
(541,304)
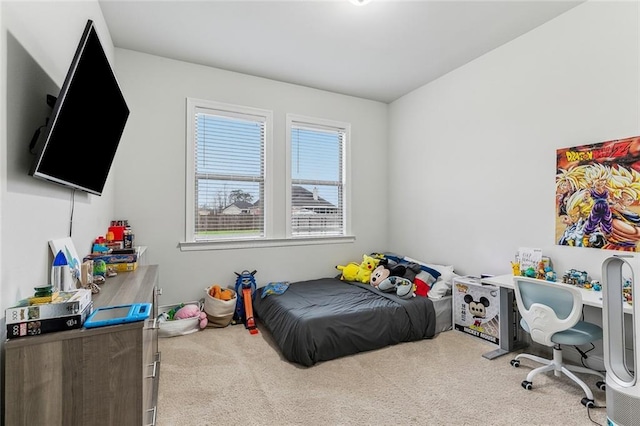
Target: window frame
(224,109)
(277,218)
(319,123)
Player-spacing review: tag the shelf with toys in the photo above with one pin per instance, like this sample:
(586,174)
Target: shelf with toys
(590,297)
(529,262)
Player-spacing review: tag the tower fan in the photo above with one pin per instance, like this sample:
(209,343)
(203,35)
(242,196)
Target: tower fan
(623,389)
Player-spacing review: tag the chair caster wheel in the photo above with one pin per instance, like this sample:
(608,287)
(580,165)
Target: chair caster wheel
(601,385)
(527,385)
(588,402)
(515,362)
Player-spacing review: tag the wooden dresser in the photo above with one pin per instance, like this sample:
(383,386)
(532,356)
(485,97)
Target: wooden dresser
(100,376)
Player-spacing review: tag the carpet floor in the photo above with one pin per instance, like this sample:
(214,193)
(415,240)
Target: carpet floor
(227,376)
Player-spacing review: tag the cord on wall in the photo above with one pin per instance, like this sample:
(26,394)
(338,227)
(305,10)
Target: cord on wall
(73,204)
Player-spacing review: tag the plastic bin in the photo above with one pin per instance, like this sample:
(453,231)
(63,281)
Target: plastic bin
(178,327)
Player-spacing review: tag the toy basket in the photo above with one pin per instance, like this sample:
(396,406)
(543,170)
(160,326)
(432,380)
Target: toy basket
(219,312)
(178,327)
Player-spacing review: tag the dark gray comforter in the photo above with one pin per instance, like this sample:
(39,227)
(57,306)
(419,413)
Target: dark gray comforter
(323,319)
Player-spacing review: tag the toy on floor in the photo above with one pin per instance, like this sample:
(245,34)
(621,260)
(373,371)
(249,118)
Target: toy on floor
(220,293)
(191,311)
(245,288)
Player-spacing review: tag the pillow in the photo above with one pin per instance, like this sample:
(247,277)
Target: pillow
(407,261)
(426,277)
(425,267)
(438,290)
(421,281)
(445,272)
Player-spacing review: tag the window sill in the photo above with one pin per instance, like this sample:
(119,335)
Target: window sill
(271,242)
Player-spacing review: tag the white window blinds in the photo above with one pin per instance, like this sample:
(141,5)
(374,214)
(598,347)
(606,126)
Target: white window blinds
(317,179)
(229,181)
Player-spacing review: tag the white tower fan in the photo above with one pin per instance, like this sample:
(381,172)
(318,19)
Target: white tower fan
(623,389)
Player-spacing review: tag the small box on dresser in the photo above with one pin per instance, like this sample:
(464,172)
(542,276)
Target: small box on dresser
(67,303)
(36,327)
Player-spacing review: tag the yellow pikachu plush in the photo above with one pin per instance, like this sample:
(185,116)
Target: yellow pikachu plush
(349,272)
(366,268)
(360,273)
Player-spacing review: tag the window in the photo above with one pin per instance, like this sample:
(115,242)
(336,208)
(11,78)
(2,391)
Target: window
(317,175)
(226,146)
(232,180)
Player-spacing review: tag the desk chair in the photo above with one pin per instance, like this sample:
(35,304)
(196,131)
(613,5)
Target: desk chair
(551,315)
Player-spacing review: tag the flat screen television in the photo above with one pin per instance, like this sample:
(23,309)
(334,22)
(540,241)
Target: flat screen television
(85,127)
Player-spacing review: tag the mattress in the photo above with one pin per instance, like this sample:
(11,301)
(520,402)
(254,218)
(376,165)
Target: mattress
(444,313)
(323,319)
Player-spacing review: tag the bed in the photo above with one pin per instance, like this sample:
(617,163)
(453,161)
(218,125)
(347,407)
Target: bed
(323,319)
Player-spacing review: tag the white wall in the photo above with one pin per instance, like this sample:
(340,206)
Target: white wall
(150,172)
(478,145)
(37,42)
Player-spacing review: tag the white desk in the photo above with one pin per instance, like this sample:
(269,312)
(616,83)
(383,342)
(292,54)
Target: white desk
(507,333)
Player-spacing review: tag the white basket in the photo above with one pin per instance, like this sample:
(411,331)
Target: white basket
(219,312)
(218,307)
(178,327)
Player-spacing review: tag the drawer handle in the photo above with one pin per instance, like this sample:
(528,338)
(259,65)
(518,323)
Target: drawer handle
(153,416)
(152,325)
(155,368)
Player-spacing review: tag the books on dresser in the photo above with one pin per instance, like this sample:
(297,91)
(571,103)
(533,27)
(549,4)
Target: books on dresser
(67,303)
(49,325)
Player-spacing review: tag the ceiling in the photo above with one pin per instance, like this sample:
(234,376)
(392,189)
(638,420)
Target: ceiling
(379,51)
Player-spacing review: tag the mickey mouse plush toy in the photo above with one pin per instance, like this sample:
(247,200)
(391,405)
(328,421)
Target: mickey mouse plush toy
(477,308)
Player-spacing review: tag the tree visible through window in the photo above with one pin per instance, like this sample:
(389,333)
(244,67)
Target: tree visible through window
(229,172)
(234,182)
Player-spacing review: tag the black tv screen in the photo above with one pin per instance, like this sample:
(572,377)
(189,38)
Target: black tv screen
(86,124)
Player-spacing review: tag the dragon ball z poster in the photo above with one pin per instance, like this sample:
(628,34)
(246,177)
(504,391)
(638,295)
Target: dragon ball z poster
(598,195)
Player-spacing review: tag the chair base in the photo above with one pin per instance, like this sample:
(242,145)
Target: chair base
(558,367)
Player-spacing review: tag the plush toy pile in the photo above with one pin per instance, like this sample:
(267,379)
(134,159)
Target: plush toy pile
(218,292)
(390,273)
(190,311)
(359,272)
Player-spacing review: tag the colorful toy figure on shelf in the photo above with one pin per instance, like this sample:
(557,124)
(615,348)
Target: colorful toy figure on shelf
(550,274)
(626,291)
(540,272)
(100,246)
(515,266)
(530,272)
(99,268)
(575,277)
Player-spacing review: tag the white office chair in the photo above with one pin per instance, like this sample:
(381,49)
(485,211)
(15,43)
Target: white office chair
(551,315)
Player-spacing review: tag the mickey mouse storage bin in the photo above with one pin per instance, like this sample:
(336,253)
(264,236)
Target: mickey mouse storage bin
(476,308)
